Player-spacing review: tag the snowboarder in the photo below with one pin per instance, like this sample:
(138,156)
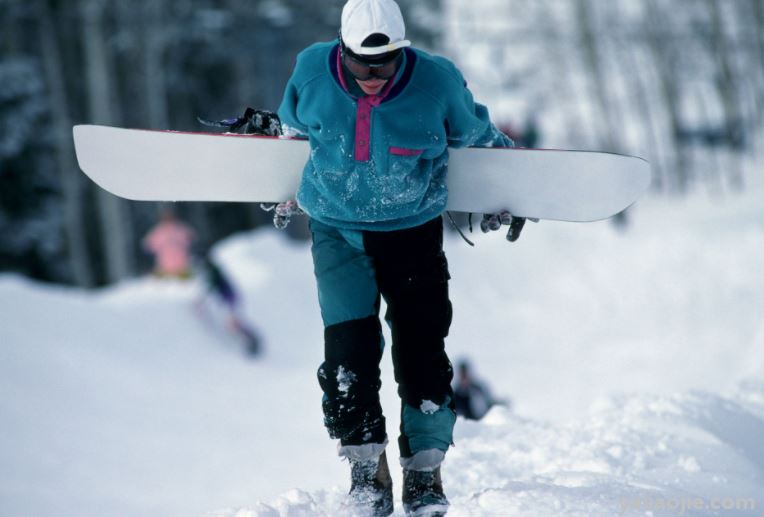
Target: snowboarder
(170,243)
(222,288)
(379,116)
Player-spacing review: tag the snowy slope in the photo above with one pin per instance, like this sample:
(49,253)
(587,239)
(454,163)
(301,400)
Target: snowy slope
(634,360)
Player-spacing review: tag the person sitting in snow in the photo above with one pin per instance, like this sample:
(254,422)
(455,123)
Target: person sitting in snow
(472,397)
(379,116)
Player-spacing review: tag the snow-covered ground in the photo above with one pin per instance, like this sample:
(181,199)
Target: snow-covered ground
(634,360)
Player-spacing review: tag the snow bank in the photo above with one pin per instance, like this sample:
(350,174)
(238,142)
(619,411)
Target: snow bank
(637,453)
(689,454)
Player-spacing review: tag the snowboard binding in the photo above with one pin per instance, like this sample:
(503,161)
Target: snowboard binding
(252,122)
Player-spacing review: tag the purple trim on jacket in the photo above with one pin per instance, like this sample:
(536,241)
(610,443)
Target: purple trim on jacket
(403,151)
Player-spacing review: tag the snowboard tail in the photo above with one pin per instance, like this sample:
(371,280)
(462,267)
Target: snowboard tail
(148,165)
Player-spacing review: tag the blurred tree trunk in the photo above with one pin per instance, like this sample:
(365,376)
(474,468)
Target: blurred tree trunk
(556,52)
(9,30)
(116,224)
(758,25)
(71,179)
(154,38)
(593,64)
(663,53)
(728,90)
(640,89)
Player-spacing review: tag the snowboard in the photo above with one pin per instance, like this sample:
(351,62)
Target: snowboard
(150,165)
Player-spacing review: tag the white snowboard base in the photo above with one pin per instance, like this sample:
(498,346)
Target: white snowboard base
(150,165)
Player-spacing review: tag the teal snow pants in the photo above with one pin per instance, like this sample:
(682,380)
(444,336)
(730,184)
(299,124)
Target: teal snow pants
(408,269)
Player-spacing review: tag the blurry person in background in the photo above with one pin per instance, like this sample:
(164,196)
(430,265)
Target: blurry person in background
(472,397)
(170,243)
(219,287)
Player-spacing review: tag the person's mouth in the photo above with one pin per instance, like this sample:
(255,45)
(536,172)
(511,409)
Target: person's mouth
(372,84)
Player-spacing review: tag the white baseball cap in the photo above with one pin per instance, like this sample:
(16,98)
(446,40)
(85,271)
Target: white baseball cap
(364,18)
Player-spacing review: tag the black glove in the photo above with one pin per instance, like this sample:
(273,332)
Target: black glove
(282,213)
(253,122)
(493,222)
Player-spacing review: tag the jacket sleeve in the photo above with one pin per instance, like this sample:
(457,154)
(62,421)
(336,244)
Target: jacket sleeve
(468,123)
(288,109)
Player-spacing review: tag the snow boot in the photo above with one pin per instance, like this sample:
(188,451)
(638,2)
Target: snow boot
(371,487)
(423,493)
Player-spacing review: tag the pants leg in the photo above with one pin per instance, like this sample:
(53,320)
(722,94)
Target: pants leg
(412,275)
(349,300)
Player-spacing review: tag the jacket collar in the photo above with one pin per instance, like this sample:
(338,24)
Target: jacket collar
(391,90)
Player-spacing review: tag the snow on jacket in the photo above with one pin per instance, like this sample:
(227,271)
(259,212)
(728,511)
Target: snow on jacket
(379,162)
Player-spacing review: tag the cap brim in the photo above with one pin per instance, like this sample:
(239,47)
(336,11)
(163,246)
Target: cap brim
(384,49)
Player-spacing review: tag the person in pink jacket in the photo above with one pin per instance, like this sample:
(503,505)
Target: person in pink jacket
(170,243)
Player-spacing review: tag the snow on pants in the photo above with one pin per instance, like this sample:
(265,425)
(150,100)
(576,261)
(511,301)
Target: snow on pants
(409,269)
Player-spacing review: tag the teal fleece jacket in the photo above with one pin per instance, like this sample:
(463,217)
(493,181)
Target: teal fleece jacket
(379,162)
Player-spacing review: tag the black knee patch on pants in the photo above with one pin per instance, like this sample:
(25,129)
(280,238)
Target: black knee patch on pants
(412,275)
(350,380)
